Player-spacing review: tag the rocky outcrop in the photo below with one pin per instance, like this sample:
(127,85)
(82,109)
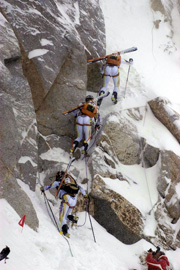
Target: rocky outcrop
(124,139)
(55,40)
(18,155)
(167,116)
(111,210)
(115,213)
(168,182)
(93,36)
(164,231)
(149,154)
(106,169)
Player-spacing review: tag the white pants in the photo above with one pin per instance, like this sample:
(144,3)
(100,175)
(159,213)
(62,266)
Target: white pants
(67,204)
(83,128)
(111,71)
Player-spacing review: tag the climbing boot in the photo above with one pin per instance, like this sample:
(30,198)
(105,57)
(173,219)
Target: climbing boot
(75,145)
(64,231)
(114,97)
(100,100)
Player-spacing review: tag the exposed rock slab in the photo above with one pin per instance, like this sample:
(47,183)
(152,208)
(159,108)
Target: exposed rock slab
(166,115)
(115,213)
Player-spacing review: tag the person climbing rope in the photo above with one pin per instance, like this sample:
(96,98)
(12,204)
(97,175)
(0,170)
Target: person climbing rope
(157,260)
(84,116)
(111,69)
(68,194)
(4,254)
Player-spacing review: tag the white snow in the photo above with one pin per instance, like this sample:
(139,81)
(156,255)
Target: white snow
(178,190)
(24,159)
(46,249)
(155,73)
(2,20)
(37,52)
(45,42)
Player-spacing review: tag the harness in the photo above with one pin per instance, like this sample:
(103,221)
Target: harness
(83,124)
(72,195)
(112,76)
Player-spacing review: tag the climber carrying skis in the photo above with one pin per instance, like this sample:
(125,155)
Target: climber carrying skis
(68,194)
(84,115)
(110,69)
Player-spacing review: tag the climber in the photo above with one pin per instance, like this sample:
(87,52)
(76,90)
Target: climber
(4,253)
(157,260)
(111,69)
(67,194)
(83,119)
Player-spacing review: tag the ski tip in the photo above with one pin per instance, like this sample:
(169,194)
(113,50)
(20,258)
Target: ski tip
(72,159)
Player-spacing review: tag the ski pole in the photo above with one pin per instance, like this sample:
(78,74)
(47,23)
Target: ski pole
(91,221)
(127,81)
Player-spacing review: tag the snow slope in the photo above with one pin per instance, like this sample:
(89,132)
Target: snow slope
(155,72)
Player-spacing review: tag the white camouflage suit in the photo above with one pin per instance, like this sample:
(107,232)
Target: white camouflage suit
(68,201)
(111,71)
(83,126)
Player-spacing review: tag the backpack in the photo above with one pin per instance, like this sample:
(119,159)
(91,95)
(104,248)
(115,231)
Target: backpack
(89,109)
(113,60)
(72,187)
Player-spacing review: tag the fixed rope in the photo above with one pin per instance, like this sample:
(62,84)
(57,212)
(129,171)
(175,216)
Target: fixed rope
(88,204)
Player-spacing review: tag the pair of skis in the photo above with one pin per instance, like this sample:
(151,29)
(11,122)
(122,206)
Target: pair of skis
(132,49)
(80,106)
(66,171)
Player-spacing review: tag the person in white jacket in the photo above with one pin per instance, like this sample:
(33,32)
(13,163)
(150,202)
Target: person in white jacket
(83,120)
(67,194)
(111,70)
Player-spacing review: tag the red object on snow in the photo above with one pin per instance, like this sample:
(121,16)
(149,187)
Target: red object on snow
(161,264)
(21,222)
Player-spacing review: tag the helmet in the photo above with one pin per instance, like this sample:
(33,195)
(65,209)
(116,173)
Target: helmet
(88,98)
(59,175)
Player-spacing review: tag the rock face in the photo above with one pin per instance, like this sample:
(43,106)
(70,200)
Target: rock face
(115,213)
(167,116)
(168,182)
(18,155)
(43,62)
(111,210)
(149,154)
(93,37)
(54,48)
(106,160)
(124,139)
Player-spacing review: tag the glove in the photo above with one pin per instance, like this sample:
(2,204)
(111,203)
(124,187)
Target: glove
(130,61)
(42,189)
(97,127)
(150,250)
(158,249)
